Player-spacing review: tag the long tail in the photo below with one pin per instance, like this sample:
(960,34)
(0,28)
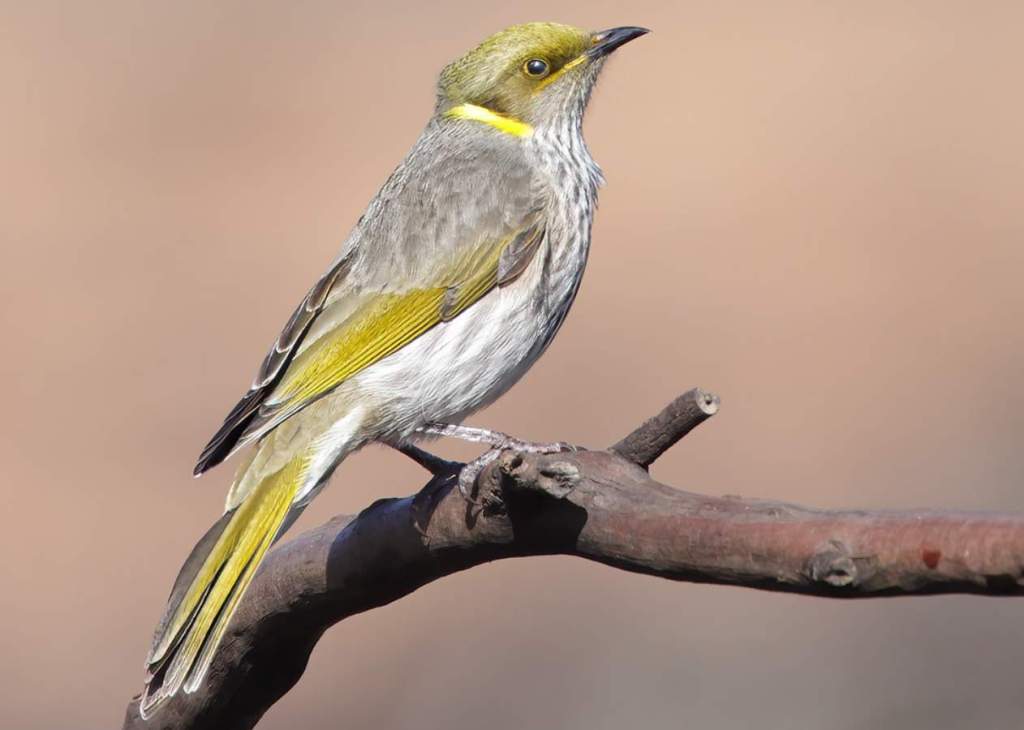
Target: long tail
(212,582)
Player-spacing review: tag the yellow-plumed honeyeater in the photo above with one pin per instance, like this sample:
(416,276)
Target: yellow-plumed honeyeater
(449,288)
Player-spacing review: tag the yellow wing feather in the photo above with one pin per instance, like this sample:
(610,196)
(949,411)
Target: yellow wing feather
(379,328)
(385,324)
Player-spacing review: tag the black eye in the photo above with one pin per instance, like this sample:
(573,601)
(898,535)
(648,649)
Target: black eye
(536,67)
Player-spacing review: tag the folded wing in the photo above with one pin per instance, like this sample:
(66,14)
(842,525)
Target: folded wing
(458,218)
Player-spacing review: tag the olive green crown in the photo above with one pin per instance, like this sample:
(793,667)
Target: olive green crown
(491,75)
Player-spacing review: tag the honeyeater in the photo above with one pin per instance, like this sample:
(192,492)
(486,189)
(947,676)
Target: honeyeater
(451,285)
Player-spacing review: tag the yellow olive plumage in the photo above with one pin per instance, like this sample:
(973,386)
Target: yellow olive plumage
(448,289)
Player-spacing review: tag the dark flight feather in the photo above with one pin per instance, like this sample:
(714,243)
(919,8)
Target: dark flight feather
(273,366)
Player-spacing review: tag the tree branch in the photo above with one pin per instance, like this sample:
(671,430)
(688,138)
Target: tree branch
(661,432)
(599,505)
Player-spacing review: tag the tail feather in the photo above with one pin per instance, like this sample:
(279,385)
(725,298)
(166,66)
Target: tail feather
(199,615)
(212,640)
(189,569)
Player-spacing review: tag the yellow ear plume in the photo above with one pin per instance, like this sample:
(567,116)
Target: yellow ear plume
(506,124)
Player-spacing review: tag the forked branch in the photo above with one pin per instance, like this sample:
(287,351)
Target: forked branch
(599,505)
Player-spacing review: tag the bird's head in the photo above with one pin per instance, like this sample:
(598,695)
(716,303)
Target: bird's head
(535,74)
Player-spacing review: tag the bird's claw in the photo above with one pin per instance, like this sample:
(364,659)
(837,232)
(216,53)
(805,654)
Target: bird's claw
(469,473)
(472,470)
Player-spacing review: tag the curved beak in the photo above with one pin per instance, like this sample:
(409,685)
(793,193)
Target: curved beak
(606,41)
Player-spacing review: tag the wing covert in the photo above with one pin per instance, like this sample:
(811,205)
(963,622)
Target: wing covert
(429,246)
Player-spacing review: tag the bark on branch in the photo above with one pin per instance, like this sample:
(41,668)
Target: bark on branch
(599,505)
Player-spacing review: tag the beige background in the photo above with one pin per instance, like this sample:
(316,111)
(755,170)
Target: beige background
(813,208)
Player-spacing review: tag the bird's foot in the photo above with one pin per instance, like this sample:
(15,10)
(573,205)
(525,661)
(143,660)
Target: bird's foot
(494,439)
(498,442)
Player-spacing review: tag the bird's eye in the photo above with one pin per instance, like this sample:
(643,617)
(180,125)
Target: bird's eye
(536,67)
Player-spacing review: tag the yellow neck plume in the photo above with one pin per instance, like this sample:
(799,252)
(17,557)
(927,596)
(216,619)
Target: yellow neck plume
(475,113)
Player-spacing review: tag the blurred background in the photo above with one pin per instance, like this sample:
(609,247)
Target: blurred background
(814,209)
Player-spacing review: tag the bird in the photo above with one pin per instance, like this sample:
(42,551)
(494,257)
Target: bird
(448,289)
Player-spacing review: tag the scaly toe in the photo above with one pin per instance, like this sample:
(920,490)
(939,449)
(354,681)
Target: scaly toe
(470,472)
(531,447)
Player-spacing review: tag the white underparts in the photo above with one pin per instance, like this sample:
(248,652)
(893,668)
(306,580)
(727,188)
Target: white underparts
(329,449)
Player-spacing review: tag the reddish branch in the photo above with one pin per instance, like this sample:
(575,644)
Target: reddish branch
(600,505)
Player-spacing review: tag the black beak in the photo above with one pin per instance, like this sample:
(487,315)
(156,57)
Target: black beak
(606,41)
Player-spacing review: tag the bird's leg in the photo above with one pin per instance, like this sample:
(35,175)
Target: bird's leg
(466,433)
(439,465)
(494,439)
(431,462)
